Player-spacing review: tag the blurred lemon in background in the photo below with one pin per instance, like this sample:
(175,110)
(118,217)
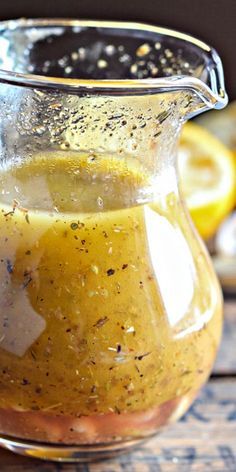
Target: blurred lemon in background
(222,125)
(207,177)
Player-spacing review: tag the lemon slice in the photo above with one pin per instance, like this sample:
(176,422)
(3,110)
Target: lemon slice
(207,178)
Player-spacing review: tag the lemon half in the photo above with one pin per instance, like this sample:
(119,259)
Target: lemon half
(207,178)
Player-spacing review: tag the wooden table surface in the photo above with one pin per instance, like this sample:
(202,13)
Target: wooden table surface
(203,441)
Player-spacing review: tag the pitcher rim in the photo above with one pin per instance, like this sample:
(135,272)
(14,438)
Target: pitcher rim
(213,97)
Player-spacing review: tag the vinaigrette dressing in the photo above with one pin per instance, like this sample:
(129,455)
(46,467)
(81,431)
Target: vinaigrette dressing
(108,324)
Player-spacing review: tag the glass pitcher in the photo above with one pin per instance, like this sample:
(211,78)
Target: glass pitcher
(110,312)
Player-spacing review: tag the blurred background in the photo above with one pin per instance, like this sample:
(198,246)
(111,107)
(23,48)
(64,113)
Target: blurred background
(210,20)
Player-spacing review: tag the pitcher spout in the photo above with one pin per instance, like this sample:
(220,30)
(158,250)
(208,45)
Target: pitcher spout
(209,86)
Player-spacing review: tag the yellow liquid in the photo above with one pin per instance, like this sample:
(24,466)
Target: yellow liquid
(108,305)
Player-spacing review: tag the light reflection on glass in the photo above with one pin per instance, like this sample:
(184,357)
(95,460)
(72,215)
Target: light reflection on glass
(172,263)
